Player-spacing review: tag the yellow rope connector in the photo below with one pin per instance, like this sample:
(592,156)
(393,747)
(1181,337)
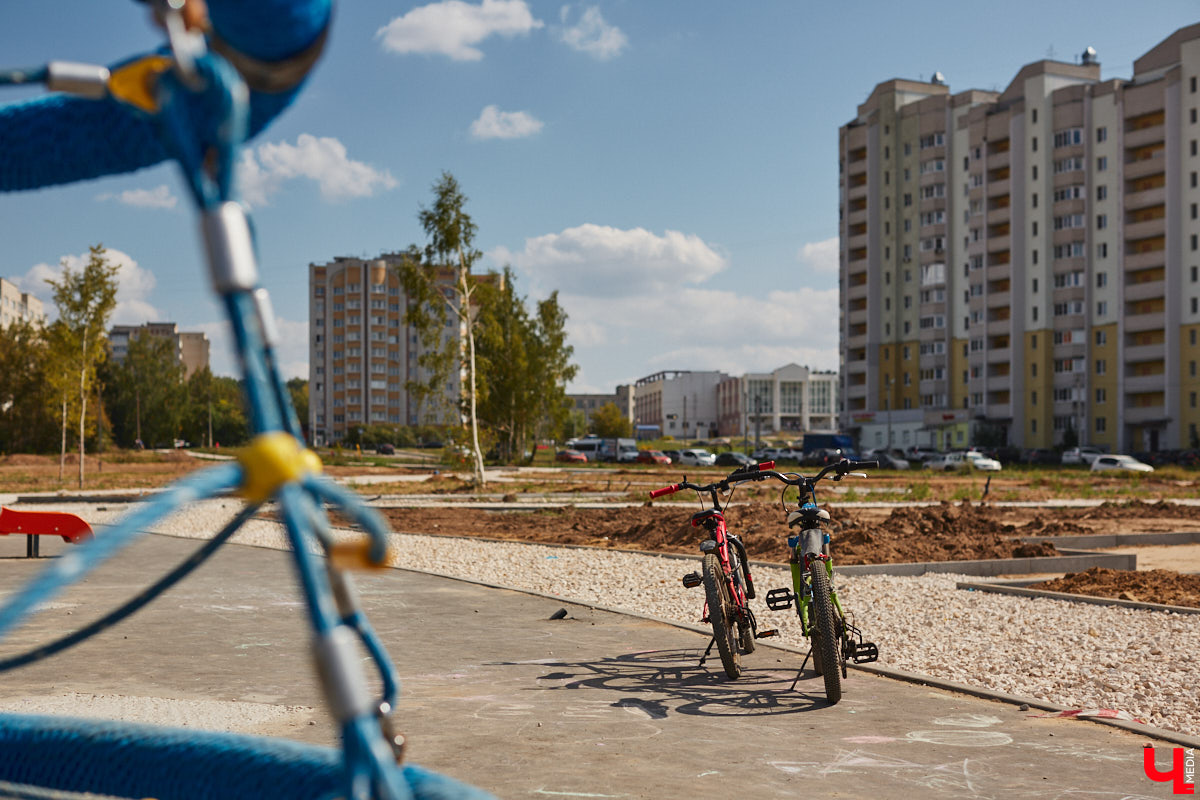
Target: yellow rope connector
(134,82)
(355,555)
(272,460)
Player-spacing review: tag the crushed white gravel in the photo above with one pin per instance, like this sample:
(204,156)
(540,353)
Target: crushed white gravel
(1071,654)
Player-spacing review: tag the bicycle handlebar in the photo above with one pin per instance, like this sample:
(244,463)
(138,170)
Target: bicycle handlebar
(738,475)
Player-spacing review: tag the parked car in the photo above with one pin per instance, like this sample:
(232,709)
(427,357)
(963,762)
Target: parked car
(1119,463)
(385,449)
(627,453)
(652,457)
(734,459)
(673,455)
(766,454)
(696,457)
(889,461)
(570,457)
(822,456)
(981,461)
(1081,455)
(1040,455)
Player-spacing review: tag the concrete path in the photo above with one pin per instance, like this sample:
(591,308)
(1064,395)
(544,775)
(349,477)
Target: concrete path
(596,705)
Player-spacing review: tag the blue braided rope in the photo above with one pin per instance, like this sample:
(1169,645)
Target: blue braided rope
(130,760)
(58,139)
(77,562)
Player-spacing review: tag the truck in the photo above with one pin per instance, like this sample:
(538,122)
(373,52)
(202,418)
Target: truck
(830,441)
(620,450)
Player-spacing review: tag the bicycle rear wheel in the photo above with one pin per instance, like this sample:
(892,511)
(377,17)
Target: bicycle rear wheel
(720,613)
(826,644)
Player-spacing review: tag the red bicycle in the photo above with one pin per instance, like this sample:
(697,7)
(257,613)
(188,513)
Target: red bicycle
(728,585)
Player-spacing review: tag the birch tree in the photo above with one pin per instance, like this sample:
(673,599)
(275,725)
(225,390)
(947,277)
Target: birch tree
(85,301)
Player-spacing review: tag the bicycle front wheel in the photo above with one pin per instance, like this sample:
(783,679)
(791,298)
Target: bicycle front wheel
(720,614)
(826,643)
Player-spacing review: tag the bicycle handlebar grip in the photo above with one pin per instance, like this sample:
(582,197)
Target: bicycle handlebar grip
(766,465)
(665,490)
(867,464)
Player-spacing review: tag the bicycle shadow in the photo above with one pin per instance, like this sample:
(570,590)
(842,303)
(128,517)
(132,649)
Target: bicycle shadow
(662,682)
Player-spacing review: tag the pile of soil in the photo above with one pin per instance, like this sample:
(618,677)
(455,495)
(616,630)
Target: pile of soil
(936,533)
(1149,586)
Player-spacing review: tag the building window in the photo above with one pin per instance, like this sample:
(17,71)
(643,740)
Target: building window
(1101,366)
(1101,163)
(1101,134)
(1100,424)
(1101,338)
(1033,426)
(1101,280)
(1102,250)
(1102,308)
(1101,221)
(1101,192)
(1101,396)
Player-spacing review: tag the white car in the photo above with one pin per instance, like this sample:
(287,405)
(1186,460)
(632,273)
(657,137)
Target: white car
(697,457)
(1120,463)
(948,462)
(1081,455)
(981,462)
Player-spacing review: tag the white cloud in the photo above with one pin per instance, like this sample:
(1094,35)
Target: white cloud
(323,159)
(496,124)
(592,35)
(134,285)
(158,197)
(453,28)
(598,260)
(820,256)
(291,351)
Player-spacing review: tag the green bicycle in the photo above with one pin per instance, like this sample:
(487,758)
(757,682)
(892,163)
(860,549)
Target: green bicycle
(833,640)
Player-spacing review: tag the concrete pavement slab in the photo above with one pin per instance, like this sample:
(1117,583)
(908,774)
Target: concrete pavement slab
(596,704)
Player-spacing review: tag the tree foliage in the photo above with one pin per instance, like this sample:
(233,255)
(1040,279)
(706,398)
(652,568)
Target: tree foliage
(609,422)
(145,393)
(449,252)
(524,363)
(27,401)
(85,301)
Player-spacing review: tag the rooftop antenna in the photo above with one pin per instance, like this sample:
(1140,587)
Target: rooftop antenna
(938,78)
(1089,56)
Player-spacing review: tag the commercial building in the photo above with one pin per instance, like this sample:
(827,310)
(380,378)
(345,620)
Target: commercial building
(682,403)
(191,349)
(1021,267)
(17,305)
(790,400)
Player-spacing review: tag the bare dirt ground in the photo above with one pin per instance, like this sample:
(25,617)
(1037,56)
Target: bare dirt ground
(944,532)
(960,530)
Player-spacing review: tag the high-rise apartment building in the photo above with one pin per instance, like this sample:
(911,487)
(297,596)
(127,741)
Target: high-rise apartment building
(191,348)
(1021,267)
(16,305)
(361,352)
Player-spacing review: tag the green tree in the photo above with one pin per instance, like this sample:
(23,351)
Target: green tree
(608,421)
(298,390)
(215,410)
(85,301)
(146,394)
(27,421)
(524,364)
(449,252)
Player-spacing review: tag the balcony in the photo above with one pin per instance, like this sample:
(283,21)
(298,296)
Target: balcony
(999,244)
(857,242)
(856,318)
(1145,136)
(998,383)
(1145,352)
(999,216)
(1145,199)
(1140,415)
(1146,229)
(999,271)
(1000,412)
(1001,299)
(1148,290)
(999,160)
(996,188)
(1147,260)
(1136,323)
(999,355)
(858,291)
(1146,166)
(1141,384)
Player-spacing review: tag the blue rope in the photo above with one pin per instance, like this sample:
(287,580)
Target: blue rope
(77,562)
(137,603)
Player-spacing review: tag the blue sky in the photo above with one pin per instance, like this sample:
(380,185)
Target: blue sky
(670,168)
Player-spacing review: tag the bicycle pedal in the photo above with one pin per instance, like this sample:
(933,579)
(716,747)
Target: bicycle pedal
(766,633)
(692,580)
(780,599)
(865,652)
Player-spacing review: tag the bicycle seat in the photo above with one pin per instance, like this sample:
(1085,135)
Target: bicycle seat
(807,515)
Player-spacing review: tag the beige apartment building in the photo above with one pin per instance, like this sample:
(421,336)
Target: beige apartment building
(1020,266)
(790,400)
(17,305)
(361,353)
(191,348)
